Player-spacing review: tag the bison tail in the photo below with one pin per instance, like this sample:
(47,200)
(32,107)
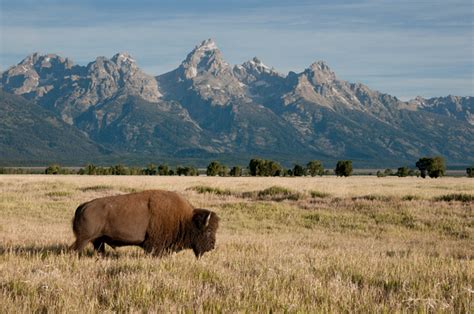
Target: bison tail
(76,218)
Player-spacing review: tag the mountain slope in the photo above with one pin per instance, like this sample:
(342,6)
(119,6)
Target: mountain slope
(459,108)
(138,126)
(30,133)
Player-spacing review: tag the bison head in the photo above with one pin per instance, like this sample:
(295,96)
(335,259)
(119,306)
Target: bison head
(205,224)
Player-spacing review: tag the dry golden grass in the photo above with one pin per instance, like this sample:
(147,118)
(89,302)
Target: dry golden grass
(358,244)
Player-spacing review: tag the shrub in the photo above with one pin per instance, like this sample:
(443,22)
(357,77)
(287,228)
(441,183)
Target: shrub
(54,169)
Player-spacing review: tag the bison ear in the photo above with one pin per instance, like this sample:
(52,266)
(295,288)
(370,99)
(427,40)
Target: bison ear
(201,218)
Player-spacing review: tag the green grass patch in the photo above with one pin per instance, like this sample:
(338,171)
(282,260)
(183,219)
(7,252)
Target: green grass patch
(203,189)
(410,198)
(318,194)
(373,197)
(459,197)
(96,188)
(278,193)
(58,194)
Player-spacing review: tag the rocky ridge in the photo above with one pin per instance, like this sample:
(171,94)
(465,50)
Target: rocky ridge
(206,106)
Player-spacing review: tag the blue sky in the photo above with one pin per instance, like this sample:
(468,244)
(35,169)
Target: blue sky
(404,48)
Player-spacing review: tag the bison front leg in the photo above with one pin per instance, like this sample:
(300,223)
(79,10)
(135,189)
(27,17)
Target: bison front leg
(152,247)
(99,245)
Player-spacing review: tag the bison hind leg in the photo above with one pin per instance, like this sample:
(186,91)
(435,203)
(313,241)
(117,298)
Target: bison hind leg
(79,244)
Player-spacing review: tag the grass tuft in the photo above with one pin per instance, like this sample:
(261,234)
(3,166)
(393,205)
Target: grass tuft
(278,193)
(410,197)
(460,197)
(58,194)
(373,197)
(318,194)
(202,189)
(97,188)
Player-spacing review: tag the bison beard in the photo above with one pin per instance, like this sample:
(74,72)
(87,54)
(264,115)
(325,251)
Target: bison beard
(158,221)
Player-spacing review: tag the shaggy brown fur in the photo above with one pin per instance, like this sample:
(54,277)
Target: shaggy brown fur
(158,221)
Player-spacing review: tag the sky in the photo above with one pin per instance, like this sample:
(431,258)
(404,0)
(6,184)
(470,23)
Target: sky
(401,47)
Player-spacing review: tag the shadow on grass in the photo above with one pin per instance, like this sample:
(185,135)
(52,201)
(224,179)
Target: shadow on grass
(51,250)
(54,249)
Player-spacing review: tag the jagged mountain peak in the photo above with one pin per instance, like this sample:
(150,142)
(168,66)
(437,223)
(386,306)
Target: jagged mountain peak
(123,58)
(206,45)
(256,65)
(205,58)
(319,73)
(36,56)
(37,61)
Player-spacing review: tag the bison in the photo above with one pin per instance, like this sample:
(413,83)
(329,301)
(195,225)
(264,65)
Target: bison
(158,221)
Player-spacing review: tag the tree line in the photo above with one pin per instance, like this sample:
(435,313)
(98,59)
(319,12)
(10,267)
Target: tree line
(433,167)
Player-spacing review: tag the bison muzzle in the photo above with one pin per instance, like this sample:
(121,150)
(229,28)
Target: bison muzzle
(158,221)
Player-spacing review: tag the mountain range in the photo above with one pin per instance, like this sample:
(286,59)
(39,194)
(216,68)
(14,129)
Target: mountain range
(112,111)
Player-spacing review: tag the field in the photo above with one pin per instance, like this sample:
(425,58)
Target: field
(357,244)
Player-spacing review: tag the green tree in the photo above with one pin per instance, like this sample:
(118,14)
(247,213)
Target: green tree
(402,172)
(215,169)
(423,164)
(343,168)
(388,172)
(119,170)
(236,171)
(264,168)
(90,169)
(186,171)
(298,171)
(438,167)
(272,168)
(163,170)
(254,166)
(433,167)
(470,172)
(150,170)
(315,168)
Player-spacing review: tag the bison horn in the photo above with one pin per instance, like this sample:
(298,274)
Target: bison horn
(207,220)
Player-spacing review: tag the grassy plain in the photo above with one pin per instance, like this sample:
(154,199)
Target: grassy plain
(358,244)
